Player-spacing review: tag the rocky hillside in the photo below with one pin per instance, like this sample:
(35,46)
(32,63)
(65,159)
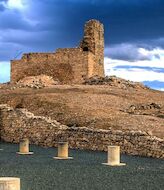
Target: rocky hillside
(104,103)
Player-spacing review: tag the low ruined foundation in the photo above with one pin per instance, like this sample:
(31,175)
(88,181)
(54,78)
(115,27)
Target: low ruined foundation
(15,124)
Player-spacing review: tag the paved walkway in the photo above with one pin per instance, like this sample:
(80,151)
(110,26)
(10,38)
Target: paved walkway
(85,172)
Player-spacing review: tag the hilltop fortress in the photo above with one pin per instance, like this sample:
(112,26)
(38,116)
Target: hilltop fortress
(97,112)
(68,65)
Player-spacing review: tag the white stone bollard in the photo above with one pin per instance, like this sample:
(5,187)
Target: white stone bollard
(24,147)
(63,151)
(114,156)
(9,183)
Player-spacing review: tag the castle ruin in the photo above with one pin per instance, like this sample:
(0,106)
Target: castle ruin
(67,65)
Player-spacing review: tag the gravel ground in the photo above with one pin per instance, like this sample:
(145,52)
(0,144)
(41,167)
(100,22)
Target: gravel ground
(85,172)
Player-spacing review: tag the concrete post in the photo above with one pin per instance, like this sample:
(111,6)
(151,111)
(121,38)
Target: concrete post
(9,183)
(114,156)
(63,151)
(24,147)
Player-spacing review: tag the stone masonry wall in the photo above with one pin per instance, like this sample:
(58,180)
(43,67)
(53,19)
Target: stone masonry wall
(16,124)
(68,65)
(65,65)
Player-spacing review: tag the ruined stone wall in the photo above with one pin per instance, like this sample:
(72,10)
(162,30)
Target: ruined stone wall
(65,65)
(19,123)
(78,59)
(94,68)
(68,65)
(93,41)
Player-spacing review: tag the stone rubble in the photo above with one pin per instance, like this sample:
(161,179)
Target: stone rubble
(35,82)
(114,81)
(146,109)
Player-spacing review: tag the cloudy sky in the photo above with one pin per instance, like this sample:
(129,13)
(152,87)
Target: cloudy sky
(134,33)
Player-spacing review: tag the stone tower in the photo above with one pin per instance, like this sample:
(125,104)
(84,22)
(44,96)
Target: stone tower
(93,41)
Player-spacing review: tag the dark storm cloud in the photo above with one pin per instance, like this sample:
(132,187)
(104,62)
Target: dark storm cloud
(11,20)
(130,20)
(124,20)
(49,24)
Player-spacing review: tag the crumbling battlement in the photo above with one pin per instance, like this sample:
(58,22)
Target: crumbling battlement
(68,65)
(16,124)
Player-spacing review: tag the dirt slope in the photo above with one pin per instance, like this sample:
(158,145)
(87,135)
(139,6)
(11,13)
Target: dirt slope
(99,106)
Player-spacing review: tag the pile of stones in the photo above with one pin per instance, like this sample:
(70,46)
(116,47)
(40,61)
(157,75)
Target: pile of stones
(147,109)
(36,82)
(4,85)
(144,107)
(35,85)
(114,81)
